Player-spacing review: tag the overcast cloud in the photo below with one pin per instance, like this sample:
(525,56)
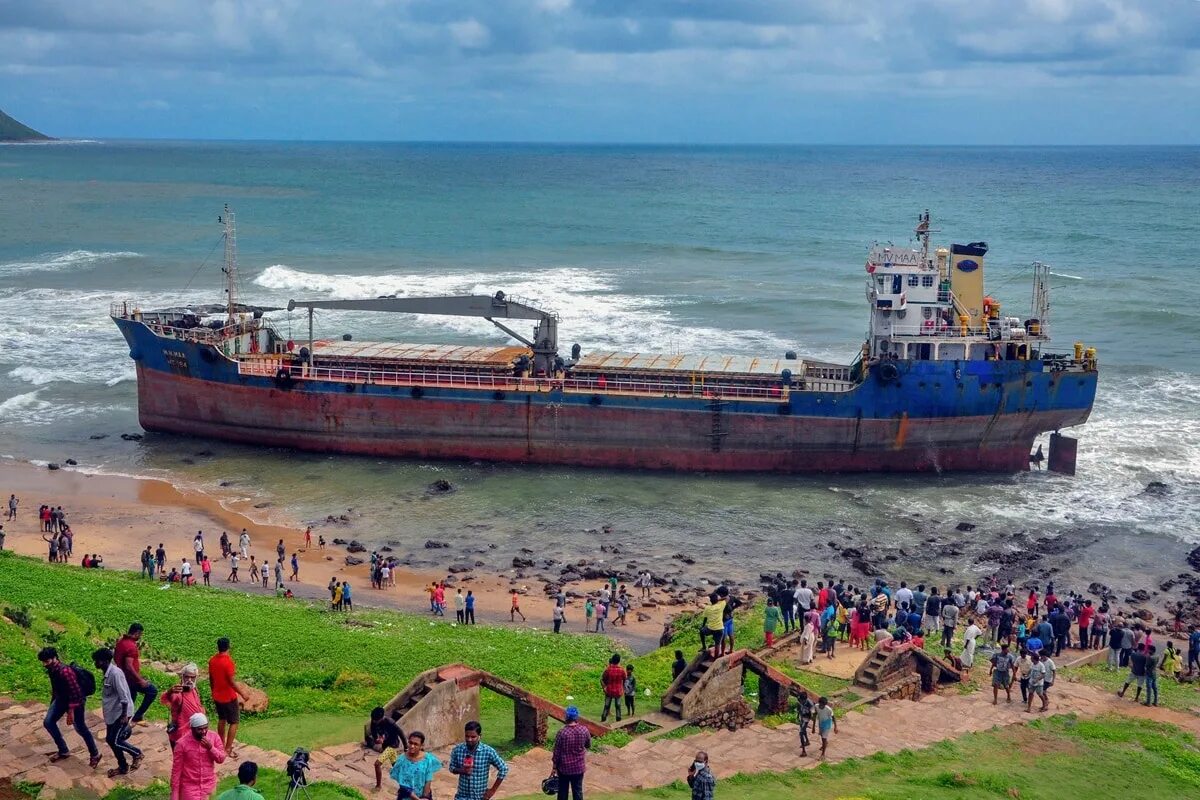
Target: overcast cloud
(855,71)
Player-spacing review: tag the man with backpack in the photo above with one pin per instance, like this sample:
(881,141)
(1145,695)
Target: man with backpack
(70,687)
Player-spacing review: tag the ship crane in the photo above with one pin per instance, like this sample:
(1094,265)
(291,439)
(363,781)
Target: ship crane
(494,308)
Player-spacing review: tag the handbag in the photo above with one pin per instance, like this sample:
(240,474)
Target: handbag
(550,785)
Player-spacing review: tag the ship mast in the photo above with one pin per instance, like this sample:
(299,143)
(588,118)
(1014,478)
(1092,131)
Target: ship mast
(230,268)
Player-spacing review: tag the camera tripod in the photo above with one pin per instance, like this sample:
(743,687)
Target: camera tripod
(297,782)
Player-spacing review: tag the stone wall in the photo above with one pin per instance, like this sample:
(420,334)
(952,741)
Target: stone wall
(441,714)
(717,688)
(737,714)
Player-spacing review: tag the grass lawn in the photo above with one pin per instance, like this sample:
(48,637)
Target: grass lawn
(323,671)
(1171,693)
(272,785)
(1060,758)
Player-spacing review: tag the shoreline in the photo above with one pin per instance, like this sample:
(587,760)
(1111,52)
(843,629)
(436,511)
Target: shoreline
(117,516)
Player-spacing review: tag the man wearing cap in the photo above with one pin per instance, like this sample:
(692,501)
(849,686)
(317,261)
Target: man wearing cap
(570,754)
(183,701)
(194,762)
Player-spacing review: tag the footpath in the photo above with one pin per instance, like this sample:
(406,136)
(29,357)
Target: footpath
(888,727)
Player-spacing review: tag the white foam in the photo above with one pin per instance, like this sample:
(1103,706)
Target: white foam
(593,312)
(57,262)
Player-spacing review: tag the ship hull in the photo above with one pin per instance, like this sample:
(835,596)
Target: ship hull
(937,416)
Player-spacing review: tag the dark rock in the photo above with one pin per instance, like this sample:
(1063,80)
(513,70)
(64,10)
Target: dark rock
(70,462)
(265,504)
(435,545)
(385,549)
(1139,596)
(852,552)
(964,526)
(352,561)
(456,568)
(440,486)
(521,563)
(862,566)
(450,580)
(98,436)
(1144,614)
(186,460)
(1157,489)
(52,466)
(131,437)
(1193,559)
(355,546)
(339,541)
(225,483)
(1167,585)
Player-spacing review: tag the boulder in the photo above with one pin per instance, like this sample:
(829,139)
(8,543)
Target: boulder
(52,466)
(355,546)
(98,436)
(1157,489)
(456,568)
(521,563)
(256,700)
(131,437)
(432,544)
(351,561)
(964,526)
(440,486)
(1139,595)
(72,462)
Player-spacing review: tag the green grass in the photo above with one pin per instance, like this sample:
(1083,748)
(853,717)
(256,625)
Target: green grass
(323,671)
(272,785)
(1171,693)
(822,684)
(1060,758)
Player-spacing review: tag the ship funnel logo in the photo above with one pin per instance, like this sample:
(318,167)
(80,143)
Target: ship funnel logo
(967,265)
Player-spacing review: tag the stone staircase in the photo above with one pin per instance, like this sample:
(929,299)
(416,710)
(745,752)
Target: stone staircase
(869,674)
(672,701)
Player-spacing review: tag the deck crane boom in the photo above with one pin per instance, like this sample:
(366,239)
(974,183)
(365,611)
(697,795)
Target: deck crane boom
(494,308)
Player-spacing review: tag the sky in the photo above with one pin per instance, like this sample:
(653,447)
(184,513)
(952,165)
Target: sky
(670,71)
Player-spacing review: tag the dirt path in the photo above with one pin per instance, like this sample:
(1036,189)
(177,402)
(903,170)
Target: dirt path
(641,764)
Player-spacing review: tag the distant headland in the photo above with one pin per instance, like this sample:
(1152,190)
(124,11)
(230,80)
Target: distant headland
(13,131)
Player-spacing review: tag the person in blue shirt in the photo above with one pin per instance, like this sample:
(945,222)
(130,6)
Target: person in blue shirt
(347,603)
(472,761)
(414,769)
(470,609)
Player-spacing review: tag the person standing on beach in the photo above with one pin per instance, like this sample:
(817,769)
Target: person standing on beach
(569,759)
(185,573)
(206,570)
(233,569)
(308,538)
(198,545)
(160,557)
(280,550)
(589,610)
(224,542)
(117,705)
(347,600)
(225,694)
(460,607)
(67,697)
(515,610)
(147,564)
(558,615)
(244,543)
(279,573)
(470,609)
(295,568)
(127,656)
(13,502)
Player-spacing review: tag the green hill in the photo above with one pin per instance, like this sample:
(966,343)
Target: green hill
(13,131)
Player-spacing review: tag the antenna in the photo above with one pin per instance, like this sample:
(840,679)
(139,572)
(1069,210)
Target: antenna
(230,268)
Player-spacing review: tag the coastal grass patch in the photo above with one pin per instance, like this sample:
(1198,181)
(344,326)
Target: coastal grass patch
(1171,693)
(1060,758)
(316,666)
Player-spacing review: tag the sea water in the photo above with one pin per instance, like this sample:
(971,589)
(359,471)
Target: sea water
(676,249)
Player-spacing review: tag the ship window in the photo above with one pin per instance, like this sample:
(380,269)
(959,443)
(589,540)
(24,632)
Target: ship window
(913,280)
(927,281)
(879,280)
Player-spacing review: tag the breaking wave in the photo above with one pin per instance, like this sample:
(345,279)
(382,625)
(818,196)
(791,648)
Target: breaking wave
(57,262)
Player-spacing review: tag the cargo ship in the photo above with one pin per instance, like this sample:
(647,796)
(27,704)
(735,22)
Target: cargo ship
(943,381)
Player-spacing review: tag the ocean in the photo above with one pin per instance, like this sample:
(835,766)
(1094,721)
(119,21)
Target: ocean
(677,249)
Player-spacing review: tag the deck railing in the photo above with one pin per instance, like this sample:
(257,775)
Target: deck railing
(452,378)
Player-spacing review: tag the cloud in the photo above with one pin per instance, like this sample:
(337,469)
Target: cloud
(541,53)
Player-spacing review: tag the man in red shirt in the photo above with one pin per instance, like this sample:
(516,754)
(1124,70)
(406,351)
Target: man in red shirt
(128,659)
(1085,620)
(225,693)
(613,681)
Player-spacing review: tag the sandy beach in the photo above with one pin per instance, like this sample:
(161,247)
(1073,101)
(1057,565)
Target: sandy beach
(119,516)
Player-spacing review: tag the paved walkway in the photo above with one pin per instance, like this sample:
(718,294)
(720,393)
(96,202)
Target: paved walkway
(643,763)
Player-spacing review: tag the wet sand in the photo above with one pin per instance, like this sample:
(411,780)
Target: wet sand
(119,516)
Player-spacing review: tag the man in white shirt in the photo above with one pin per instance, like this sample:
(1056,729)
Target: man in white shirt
(244,543)
(804,597)
(185,573)
(904,595)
